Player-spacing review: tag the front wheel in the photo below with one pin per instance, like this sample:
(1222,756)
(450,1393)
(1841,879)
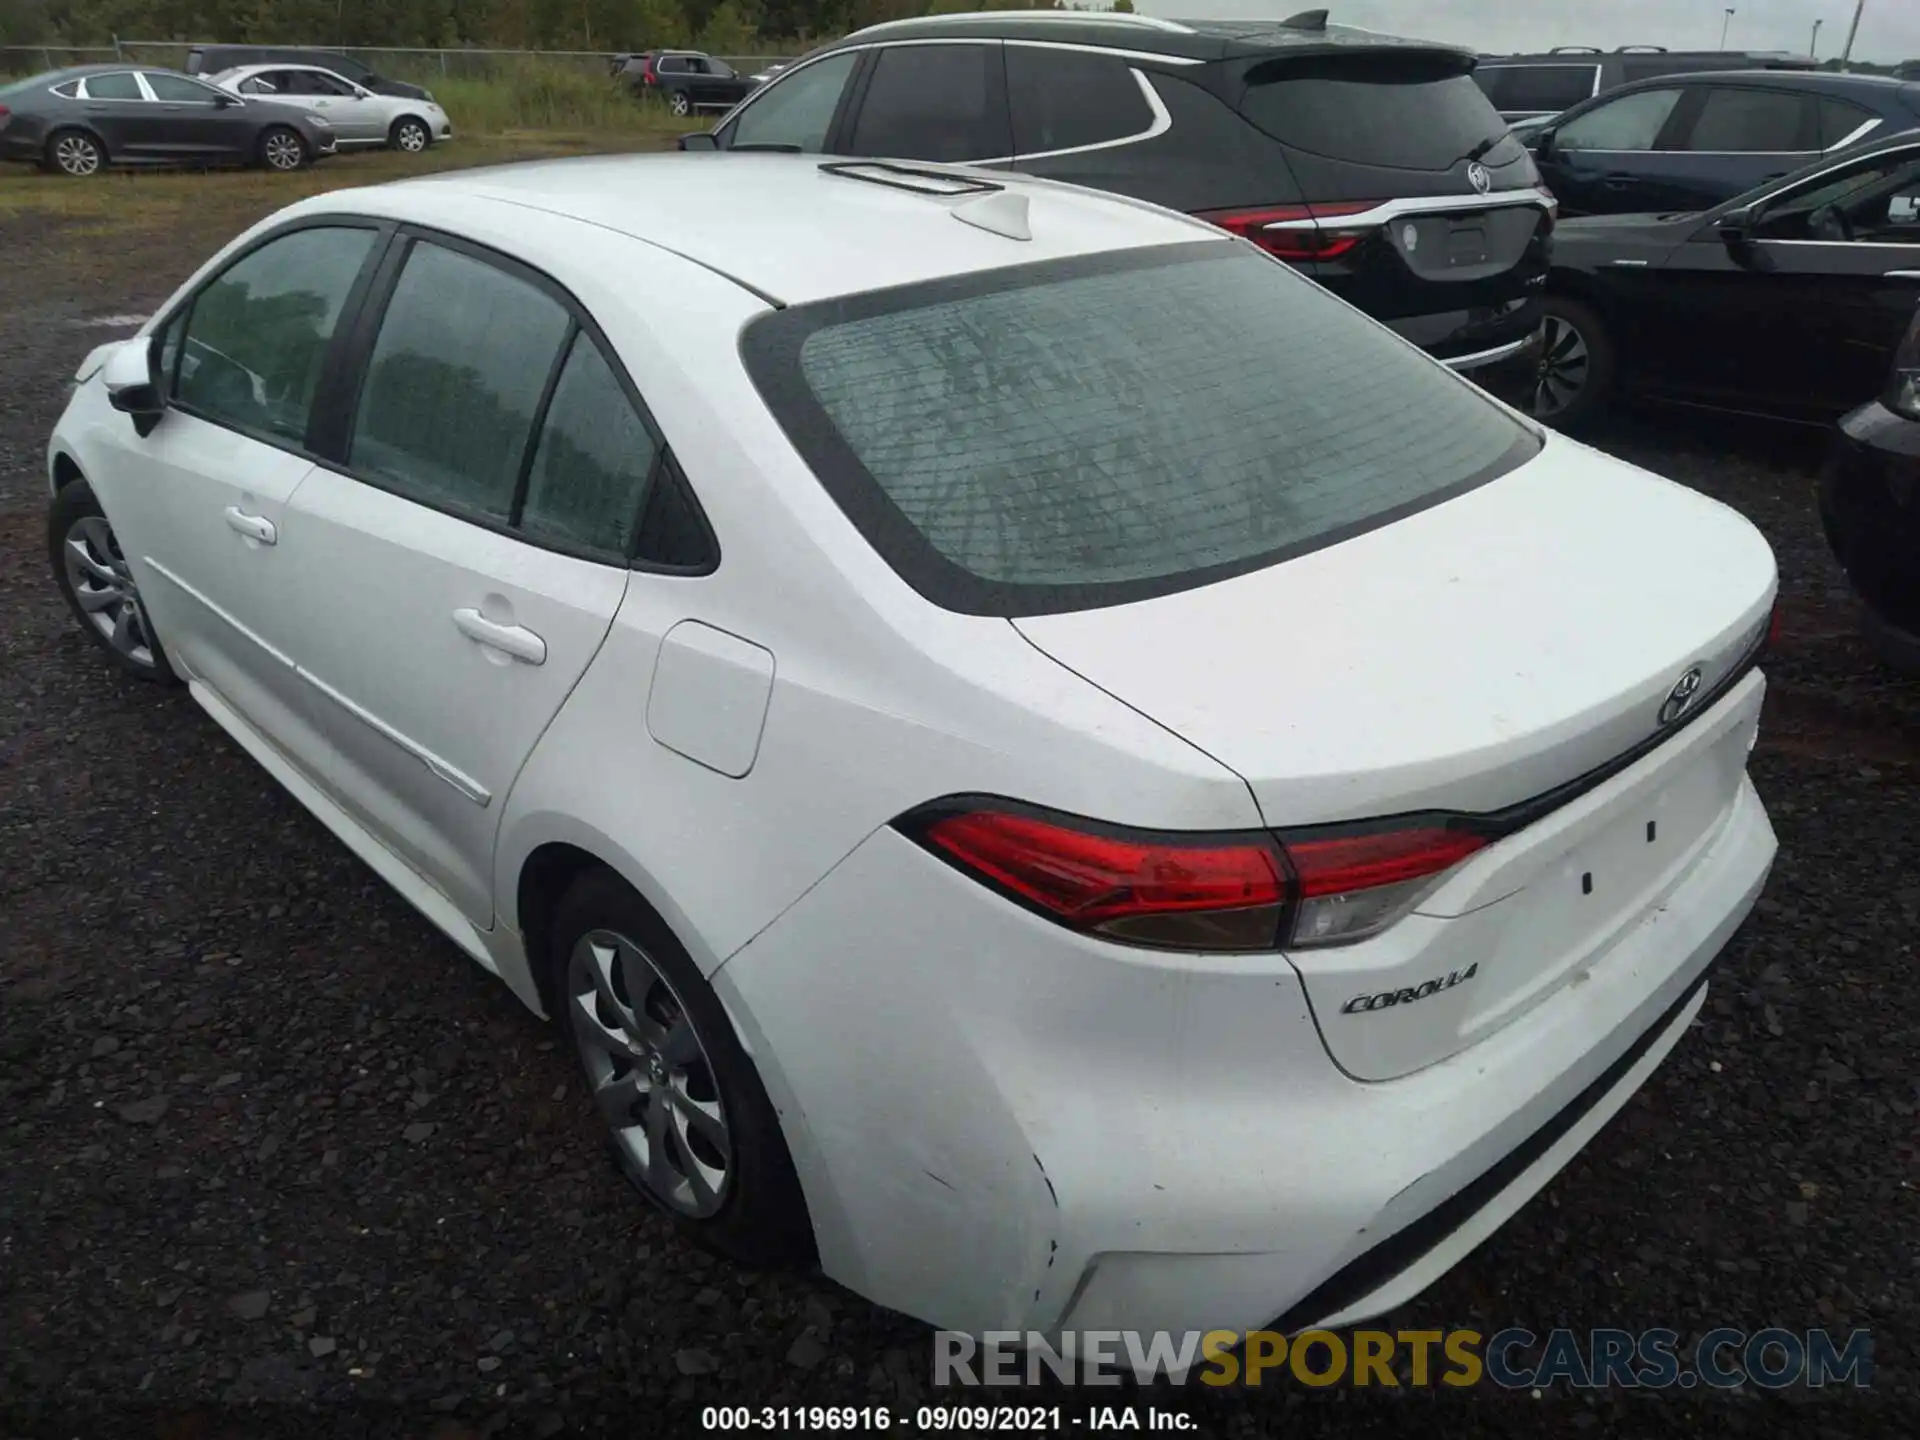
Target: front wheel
(282,149)
(75,153)
(689,1122)
(410,135)
(98,585)
(1572,378)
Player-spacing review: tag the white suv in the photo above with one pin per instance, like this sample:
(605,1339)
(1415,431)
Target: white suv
(1039,757)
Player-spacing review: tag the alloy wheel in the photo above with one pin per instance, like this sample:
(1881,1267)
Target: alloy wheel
(284,150)
(103,586)
(412,136)
(649,1074)
(76,155)
(1564,366)
(680,104)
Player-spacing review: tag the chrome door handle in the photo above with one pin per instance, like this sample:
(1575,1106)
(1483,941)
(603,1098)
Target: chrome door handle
(515,640)
(254,527)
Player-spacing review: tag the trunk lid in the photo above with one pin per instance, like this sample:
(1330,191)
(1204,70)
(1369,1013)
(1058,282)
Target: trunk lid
(1471,657)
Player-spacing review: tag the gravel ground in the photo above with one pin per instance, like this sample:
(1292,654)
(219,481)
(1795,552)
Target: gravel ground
(275,1157)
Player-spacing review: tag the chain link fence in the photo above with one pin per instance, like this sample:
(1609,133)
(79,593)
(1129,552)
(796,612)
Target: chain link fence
(465,63)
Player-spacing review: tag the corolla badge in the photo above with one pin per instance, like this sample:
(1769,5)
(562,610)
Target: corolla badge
(1680,699)
(1478,177)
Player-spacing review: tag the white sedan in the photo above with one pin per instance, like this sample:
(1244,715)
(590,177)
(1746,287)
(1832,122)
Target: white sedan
(360,117)
(1041,760)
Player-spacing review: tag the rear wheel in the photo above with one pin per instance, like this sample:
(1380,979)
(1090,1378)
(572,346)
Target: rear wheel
(98,585)
(282,149)
(1572,380)
(680,103)
(75,153)
(688,1120)
(409,134)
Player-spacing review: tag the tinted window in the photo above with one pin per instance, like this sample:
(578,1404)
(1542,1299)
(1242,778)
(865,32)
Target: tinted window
(1392,113)
(1063,98)
(1133,421)
(1633,122)
(1874,201)
(797,109)
(1840,120)
(595,455)
(1750,121)
(933,102)
(121,86)
(256,336)
(671,65)
(174,89)
(1551,88)
(448,402)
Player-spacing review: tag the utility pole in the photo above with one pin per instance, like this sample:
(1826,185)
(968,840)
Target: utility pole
(1846,55)
(1723,27)
(1813,46)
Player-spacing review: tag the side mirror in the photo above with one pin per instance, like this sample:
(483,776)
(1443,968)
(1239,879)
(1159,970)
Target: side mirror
(703,140)
(1542,142)
(361,92)
(1735,229)
(133,387)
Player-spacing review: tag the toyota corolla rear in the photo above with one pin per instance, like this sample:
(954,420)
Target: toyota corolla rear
(1490,695)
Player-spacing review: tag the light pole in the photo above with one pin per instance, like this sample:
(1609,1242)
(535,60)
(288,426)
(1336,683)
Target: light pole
(1852,30)
(1813,46)
(1723,27)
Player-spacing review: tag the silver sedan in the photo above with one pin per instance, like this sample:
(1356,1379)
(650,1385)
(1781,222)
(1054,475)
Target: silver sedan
(359,116)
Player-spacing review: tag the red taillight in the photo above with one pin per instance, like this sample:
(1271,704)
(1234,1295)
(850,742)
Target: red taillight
(1306,232)
(1194,892)
(4,112)
(1773,627)
(646,72)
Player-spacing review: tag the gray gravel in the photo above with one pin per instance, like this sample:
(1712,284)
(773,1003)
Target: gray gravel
(275,1158)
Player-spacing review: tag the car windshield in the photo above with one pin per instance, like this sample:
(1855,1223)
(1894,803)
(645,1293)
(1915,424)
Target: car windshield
(1078,433)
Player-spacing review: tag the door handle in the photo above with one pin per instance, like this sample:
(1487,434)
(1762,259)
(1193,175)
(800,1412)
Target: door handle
(254,527)
(515,640)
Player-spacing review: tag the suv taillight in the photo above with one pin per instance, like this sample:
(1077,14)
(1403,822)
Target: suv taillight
(1297,232)
(1243,891)
(646,71)
(1903,390)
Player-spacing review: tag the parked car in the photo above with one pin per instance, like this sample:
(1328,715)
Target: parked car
(359,116)
(79,121)
(1373,164)
(1692,141)
(687,80)
(991,732)
(1526,87)
(212,59)
(1787,301)
(1867,506)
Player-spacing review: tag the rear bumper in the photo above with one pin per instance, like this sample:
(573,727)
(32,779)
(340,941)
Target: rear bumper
(1474,339)
(1116,1139)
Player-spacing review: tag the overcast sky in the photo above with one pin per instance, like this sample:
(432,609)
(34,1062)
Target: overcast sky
(1890,29)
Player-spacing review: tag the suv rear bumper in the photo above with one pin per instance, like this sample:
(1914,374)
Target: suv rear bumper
(1473,339)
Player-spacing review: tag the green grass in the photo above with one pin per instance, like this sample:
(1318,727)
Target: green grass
(550,97)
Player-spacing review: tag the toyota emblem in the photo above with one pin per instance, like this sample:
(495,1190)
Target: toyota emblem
(1478,177)
(1680,697)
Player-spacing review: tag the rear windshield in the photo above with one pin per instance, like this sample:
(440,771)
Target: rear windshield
(33,82)
(1087,432)
(1411,113)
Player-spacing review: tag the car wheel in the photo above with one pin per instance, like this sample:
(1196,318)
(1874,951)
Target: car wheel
(282,149)
(75,153)
(688,1120)
(93,575)
(1865,531)
(410,135)
(680,103)
(1572,380)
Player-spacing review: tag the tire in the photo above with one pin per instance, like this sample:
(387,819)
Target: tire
(98,587)
(680,104)
(1866,532)
(76,154)
(673,1042)
(409,133)
(1572,383)
(282,149)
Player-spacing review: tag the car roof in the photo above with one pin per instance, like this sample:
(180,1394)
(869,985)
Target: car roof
(1144,34)
(793,228)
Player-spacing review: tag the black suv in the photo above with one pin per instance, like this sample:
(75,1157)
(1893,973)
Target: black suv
(688,80)
(1525,87)
(212,59)
(1373,164)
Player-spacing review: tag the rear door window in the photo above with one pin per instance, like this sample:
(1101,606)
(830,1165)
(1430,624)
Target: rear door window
(1740,121)
(1631,123)
(1841,121)
(1067,99)
(935,102)
(1085,432)
(1413,113)
(122,85)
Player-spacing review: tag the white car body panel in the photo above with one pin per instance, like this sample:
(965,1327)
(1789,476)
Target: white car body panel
(362,118)
(1102,1135)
